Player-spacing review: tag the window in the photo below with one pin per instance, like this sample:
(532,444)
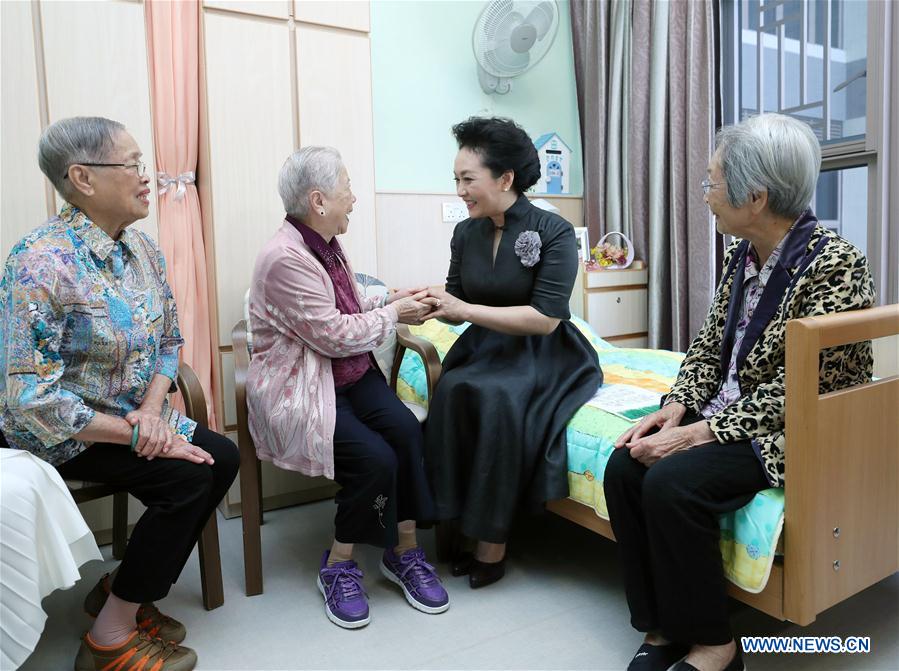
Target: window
(839,203)
(784,63)
(809,59)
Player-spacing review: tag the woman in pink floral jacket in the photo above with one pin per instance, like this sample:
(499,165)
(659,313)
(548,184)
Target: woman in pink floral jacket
(317,401)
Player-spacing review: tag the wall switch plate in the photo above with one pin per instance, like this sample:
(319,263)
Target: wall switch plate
(453,213)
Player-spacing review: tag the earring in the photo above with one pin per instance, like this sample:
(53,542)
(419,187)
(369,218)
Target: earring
(321,212)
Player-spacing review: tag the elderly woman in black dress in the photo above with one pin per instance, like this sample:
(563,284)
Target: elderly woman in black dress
(496,429)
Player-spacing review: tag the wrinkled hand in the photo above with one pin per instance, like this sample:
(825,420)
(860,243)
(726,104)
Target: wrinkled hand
(666,417)
(181,449)
(414,309)
(650,449)
(446,306)
(154,437)
(403,293)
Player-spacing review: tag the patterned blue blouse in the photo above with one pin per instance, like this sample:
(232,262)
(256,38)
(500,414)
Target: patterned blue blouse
(87,322)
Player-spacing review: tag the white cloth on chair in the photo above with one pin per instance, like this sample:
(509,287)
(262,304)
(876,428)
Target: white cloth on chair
(44,540)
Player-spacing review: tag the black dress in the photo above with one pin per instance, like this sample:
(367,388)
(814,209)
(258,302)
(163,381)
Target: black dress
(495,433)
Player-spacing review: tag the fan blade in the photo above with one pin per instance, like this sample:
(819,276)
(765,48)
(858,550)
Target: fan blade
(505,59)
(494,14)
(541,17)
(506,24)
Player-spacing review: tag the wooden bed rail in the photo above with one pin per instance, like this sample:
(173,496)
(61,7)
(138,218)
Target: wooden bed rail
(848,327)
(841,528)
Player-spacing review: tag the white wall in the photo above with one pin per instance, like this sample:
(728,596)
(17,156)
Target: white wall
(43,82)
(413,240)
(23,202)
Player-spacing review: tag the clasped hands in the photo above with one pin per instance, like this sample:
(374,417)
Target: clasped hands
(156,438)
(417,305)
(670,437)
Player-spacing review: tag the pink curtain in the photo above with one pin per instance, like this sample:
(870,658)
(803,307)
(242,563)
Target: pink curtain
(173,34)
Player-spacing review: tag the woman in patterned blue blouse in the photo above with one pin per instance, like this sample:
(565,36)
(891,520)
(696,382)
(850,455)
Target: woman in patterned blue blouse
(88,352)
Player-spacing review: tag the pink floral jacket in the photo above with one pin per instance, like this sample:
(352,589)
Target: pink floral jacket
(297,330)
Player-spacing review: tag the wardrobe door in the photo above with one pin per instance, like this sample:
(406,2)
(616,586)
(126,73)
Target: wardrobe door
(24,202)
(82,82)
(335,109)
(250,135)
(348,14)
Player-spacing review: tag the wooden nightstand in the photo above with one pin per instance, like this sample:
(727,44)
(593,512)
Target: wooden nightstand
(614,303)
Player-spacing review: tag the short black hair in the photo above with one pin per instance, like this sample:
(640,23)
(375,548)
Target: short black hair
(502,145)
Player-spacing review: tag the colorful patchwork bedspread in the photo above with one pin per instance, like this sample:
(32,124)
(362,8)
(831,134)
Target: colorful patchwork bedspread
(749,536)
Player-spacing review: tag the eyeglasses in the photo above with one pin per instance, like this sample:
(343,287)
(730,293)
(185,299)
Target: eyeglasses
(708,186)
(140,166)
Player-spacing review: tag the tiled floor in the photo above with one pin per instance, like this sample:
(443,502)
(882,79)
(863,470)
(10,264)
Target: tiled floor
(561,606)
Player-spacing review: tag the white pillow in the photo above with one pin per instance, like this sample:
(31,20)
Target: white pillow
(370,287)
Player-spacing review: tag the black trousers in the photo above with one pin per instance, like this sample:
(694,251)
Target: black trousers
(377,463)
(179,495)
(665,519)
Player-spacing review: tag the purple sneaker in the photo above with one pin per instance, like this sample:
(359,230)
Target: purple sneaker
(346,603)
(418,579)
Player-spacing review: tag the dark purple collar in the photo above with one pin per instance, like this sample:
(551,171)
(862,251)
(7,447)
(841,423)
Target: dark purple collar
(329,253)
(794,259)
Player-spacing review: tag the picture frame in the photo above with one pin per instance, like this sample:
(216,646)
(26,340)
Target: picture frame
(583,242)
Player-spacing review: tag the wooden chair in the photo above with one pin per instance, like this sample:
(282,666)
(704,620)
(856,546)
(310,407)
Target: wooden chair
(210,559)
(250,471)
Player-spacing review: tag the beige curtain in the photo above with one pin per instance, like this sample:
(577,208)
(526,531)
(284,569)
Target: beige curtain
(645,72)
(690,129)
(618,202)
(590,39)
(601,30)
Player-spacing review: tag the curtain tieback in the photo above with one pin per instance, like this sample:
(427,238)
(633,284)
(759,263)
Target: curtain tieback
(166,181)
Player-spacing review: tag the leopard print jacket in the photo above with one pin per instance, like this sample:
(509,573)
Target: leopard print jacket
(818,273)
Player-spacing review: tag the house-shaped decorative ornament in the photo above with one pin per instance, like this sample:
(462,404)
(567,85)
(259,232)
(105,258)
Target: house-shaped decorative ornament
(555,163)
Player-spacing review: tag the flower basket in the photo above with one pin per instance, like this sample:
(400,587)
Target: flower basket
(608,256)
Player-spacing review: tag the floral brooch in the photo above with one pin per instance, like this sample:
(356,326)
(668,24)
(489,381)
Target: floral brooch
(527,248)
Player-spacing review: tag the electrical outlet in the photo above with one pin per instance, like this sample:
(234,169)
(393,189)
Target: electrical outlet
(453,213)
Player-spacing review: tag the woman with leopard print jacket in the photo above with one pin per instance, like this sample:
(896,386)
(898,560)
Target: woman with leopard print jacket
(719,436)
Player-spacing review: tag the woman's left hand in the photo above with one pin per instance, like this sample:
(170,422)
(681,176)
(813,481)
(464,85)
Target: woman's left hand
(649,449)
(181,449)
(154,437)
(446,306)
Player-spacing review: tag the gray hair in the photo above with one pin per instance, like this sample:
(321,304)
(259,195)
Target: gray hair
(80,139)
(770,152)
(305,171)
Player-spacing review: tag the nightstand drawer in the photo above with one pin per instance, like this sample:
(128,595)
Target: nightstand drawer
(616,278)
(614,312)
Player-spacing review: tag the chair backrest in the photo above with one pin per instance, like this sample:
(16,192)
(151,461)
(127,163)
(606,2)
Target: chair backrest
(240,347)
(246,318)
(192,393)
